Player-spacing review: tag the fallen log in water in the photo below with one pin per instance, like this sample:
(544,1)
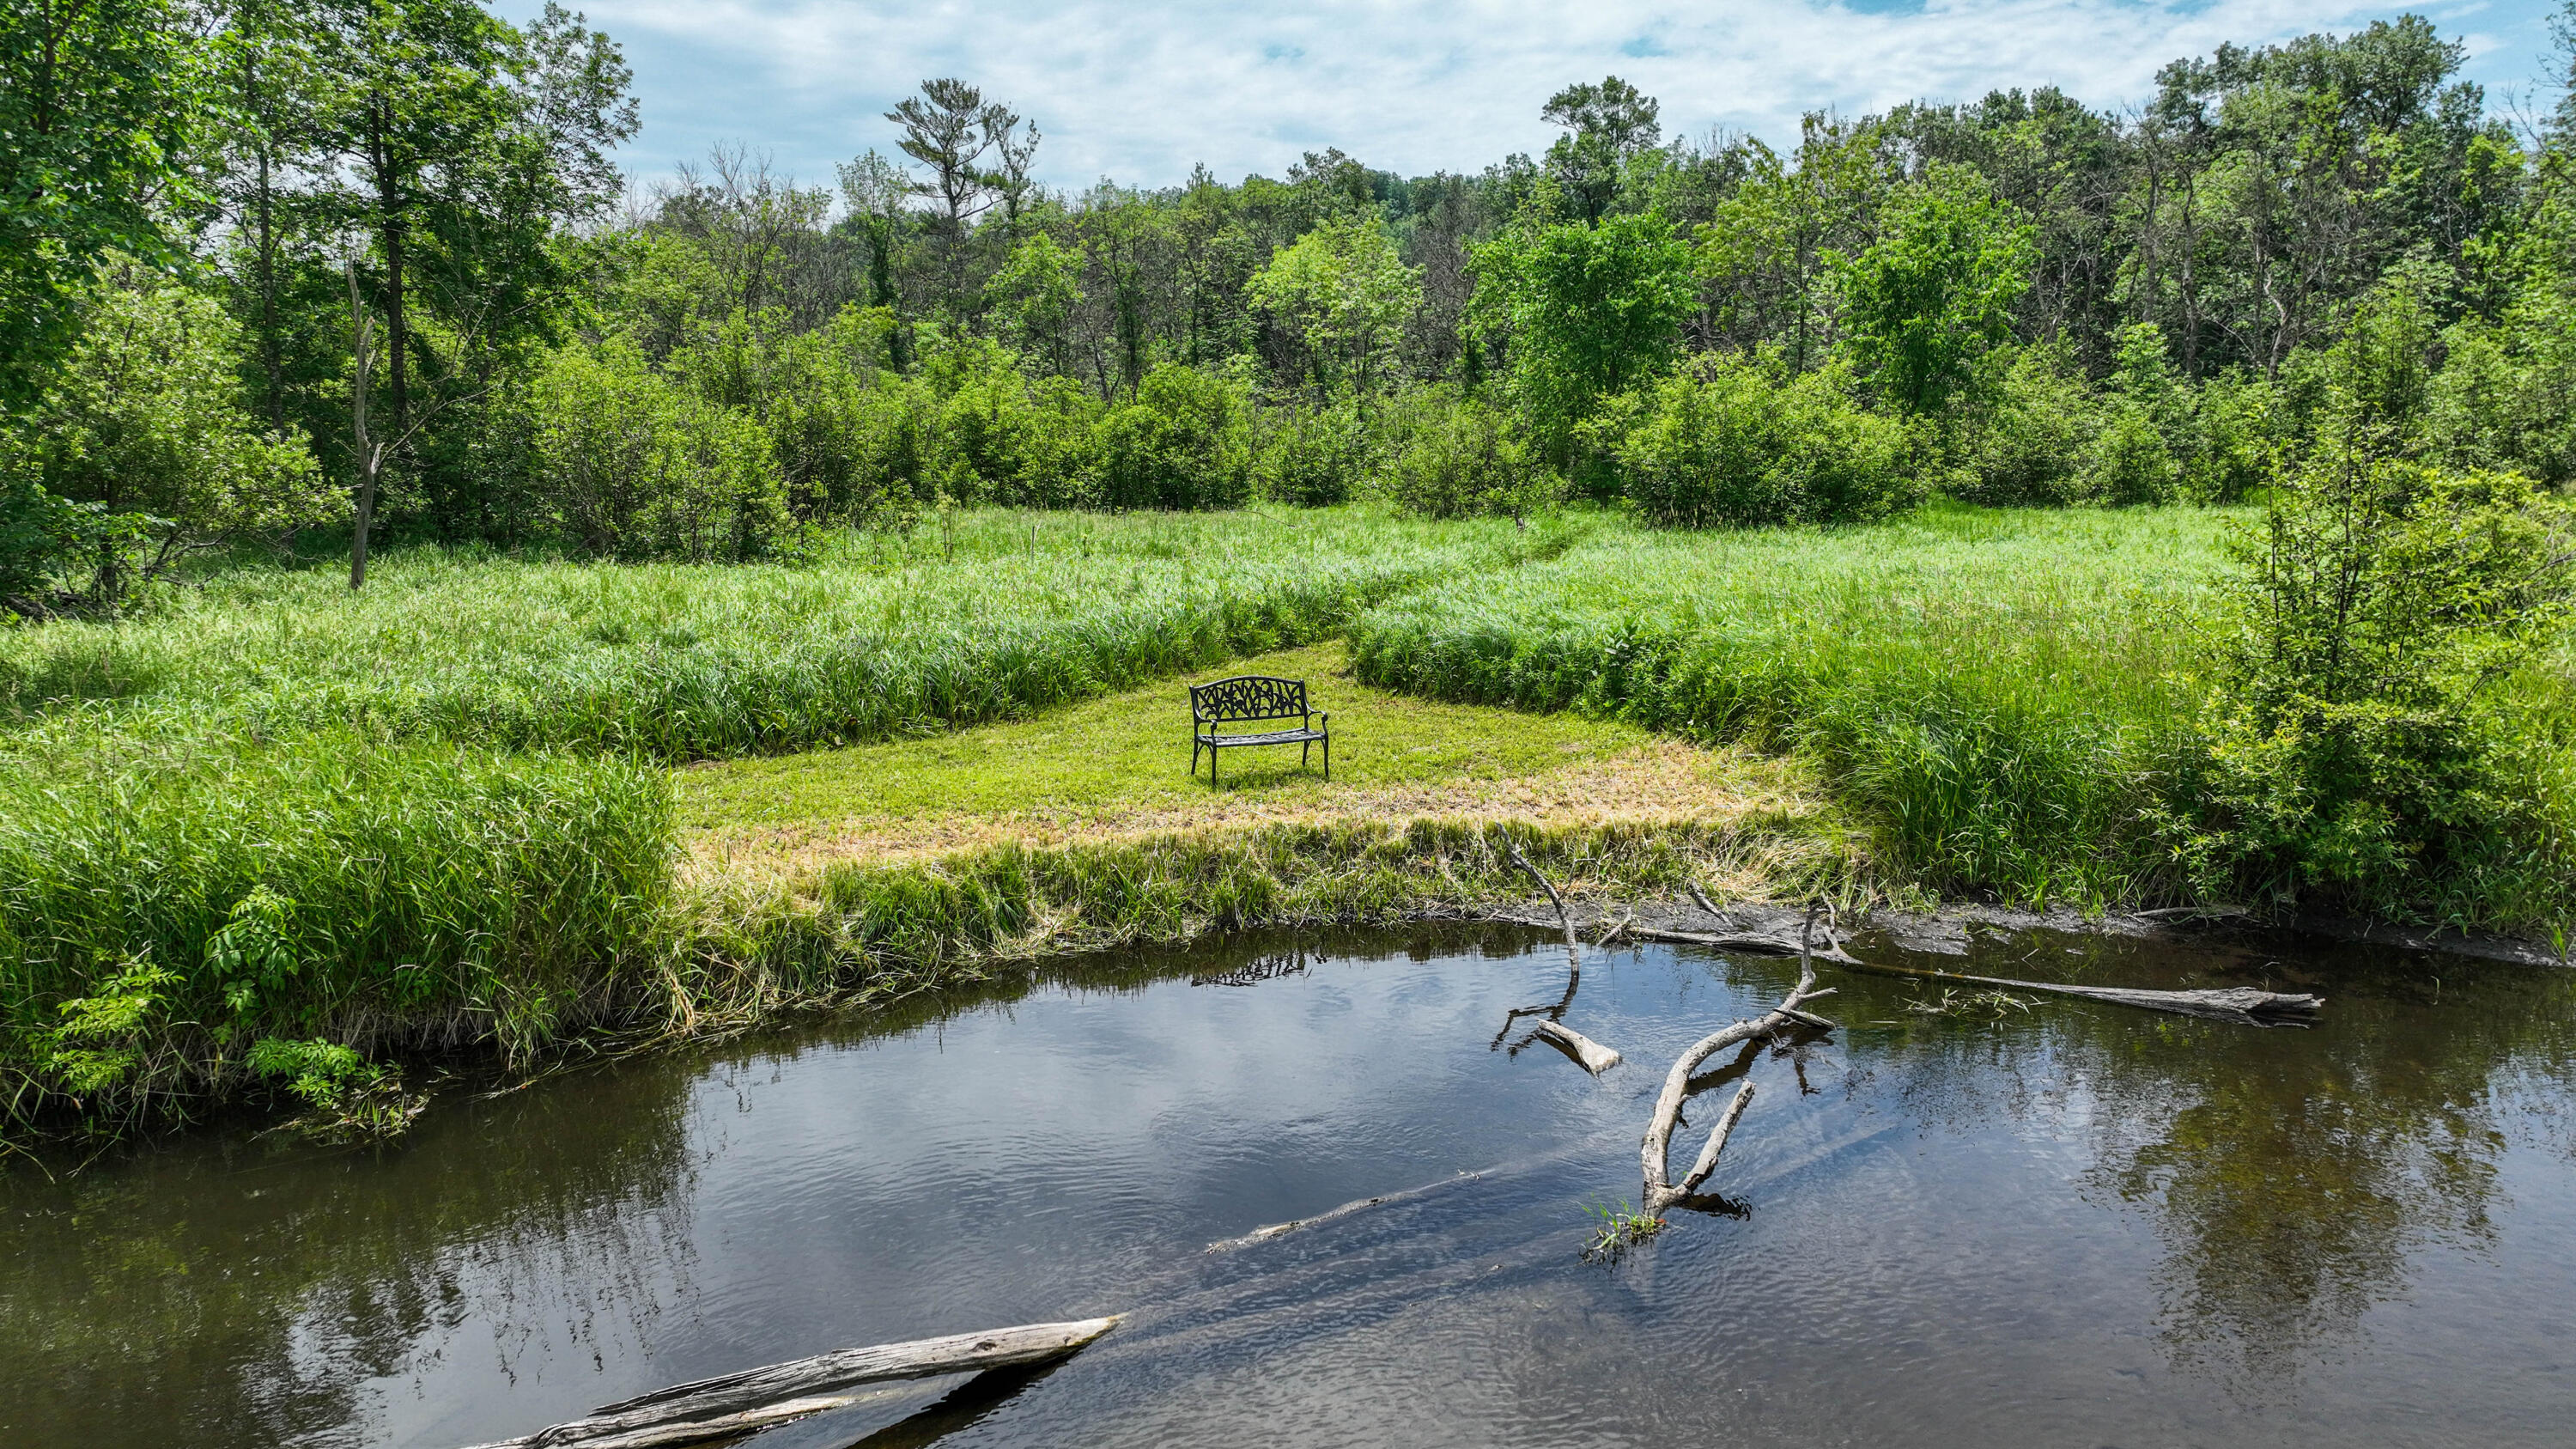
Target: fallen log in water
(1281,1230)
(736,1403)
(1591,1055)
(1660,1192)
(2243,1005)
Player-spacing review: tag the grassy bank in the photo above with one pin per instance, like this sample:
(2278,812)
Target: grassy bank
(507,804)
(2011,700)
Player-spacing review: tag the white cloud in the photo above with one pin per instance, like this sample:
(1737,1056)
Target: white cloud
(1140,91)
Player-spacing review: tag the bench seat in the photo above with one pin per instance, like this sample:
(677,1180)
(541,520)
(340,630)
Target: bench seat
(1274,737)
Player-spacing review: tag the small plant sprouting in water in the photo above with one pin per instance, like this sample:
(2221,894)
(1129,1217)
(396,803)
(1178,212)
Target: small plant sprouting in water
(1622,1227)
(349,1098)
(1992,1004)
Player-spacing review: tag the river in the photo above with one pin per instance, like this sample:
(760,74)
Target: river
(2066,1224)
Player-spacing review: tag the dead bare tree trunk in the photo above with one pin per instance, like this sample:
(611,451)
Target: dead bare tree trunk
(1660,1191)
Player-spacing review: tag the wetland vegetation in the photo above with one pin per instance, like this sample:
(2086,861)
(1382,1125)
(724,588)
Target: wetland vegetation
(445,611)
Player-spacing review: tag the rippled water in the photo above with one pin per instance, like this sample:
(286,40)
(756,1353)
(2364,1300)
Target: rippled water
(2075,1224)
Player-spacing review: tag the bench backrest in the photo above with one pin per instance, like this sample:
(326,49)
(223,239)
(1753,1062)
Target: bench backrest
(1248,696)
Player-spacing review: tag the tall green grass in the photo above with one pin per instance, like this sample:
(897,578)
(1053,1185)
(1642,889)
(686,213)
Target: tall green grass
(191,893)
(2001,692)
(995,616)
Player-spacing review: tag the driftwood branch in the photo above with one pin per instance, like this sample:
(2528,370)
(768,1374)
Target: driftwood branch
(1558,901)
(2243,1005)
(732,1404)
(1591,1055)
(1660,1192)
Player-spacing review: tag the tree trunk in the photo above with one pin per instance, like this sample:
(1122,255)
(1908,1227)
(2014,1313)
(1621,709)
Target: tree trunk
(370,456)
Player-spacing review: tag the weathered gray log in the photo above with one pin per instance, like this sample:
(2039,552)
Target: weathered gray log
(1592,1055)
(2243,1005)
(1660,1193)
(730,1404)
(1281,1230)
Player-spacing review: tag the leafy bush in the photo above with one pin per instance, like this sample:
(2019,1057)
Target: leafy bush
(1311,456)
(1736,444)
(2131,462)
(1180,444)
(1007,438)
(636,466)
(145,420)
(1458,457)
(2356,736)
(2028,443)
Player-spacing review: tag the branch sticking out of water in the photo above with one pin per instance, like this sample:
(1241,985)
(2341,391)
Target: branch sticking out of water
(1660,1191)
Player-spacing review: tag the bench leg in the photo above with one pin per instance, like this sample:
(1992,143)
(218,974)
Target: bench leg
(1328,758)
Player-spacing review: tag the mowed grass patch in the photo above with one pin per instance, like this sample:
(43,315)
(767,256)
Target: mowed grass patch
(1120,767)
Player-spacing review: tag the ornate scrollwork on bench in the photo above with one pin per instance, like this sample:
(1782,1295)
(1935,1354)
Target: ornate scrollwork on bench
(1249,697)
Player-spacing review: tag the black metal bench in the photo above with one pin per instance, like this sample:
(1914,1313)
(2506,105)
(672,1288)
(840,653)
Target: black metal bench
(1252,697)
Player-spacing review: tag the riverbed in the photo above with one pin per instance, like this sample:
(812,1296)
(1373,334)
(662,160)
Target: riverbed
(1962,1222)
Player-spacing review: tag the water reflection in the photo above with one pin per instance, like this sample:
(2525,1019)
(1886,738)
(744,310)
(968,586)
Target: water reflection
(2085,1223)
(2290,1174)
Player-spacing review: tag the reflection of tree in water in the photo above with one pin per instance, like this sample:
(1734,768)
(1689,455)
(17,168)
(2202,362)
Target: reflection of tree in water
(2291,1173)
(242,1292)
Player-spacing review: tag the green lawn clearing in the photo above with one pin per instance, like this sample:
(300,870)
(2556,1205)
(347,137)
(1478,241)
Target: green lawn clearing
(1120,766)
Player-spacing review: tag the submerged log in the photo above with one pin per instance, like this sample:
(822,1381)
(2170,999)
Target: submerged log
(1281,1230)
(732,1404)
(2243,1005)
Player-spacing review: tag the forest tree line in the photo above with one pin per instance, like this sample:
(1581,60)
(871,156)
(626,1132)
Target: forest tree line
(264,264)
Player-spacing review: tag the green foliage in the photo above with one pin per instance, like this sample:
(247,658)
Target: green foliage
(1457,456)
(322,884)
(1312,456)
(47,542)
(2028,440)
(2131,463)
(1180,444)
(1342,291)
(636,467)
(100,104)
(145,419)
(1583,313)
(2357,733)
(1926,304)
(1736,444)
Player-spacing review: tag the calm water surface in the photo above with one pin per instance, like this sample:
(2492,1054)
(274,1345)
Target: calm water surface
(2076,1225)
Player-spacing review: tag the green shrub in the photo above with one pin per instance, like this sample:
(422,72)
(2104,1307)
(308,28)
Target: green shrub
(2356,738)
(2131,463)
(2028,442)
(1311,456)
(1180,444)
(1735,444)
(1010,439)
(145,419)
(635,466)
(1458,457)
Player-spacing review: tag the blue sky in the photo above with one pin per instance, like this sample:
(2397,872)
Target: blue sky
(1138,90)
